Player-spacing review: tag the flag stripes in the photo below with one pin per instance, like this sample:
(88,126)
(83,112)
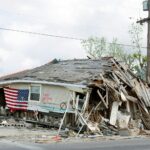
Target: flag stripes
(16,99)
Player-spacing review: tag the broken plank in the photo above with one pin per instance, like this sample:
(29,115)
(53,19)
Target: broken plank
(102,99)
(123,80)
(123,73)
(116,79)
(114,111)
(98,105)
(131,98)
(107,96)
(86,101)
(85,120)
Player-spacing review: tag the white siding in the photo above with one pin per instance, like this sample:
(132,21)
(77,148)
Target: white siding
(54,94)
(51,97)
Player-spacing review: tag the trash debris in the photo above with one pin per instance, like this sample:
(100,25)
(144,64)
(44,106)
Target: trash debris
(112,101)
(117,98)
(56,138)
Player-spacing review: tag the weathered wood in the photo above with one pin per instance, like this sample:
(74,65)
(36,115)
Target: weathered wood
(102,99)
(113,115)
(116,79)
(122,88)
(122,79)
(62,121)
(123,74)
(86,101)
(123,97)
(107,96)
(131,73)
(144,116)
(128,106)
(74,98)
(143,92)
(131,98)
(85,120)
(148,93)
(113,89)
(98,105)
(76,106)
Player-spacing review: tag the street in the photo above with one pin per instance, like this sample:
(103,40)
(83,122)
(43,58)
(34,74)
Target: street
(124,144)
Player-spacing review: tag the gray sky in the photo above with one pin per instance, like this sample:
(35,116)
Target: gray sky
(75,18)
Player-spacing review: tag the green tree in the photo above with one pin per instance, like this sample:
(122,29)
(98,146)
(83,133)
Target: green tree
(96,47)
(99,47)
(115,50)
(139,59)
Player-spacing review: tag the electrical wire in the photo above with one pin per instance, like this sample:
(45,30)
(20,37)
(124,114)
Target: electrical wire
(60,36)
(43,34)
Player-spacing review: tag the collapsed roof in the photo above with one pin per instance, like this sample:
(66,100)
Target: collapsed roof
(67,71)
(115,80)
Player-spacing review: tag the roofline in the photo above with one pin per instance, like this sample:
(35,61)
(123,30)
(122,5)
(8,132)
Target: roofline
(43,82)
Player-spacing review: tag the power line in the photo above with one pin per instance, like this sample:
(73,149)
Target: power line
(60,36)
(43,34)
(128,45)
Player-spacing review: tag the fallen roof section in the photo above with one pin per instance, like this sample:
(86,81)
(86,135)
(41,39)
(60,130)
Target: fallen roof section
(66,71)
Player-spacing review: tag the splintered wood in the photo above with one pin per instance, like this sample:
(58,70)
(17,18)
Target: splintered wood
(116,98)
(113,95)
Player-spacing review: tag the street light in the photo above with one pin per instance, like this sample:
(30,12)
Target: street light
(145,5)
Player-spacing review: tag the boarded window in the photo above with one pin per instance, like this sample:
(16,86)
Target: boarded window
(35,93)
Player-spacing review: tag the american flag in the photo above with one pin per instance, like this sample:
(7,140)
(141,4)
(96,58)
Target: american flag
(16,99)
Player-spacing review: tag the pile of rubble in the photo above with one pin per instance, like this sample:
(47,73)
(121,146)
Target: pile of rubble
(118,104)
(115,101)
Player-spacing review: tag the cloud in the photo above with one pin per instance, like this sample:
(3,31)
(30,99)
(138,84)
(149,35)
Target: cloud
(18,40)
(77,18)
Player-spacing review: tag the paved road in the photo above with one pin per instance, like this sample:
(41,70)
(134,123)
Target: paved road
(126,144)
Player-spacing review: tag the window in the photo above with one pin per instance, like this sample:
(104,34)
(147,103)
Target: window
(35,93)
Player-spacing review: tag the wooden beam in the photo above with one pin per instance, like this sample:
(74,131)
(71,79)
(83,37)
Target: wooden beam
(62,121)
(107,96)
(102,99)
(86,101)
(114,110)
(98,105)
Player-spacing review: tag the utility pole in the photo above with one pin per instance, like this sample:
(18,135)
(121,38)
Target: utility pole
(146,7)
(148,45)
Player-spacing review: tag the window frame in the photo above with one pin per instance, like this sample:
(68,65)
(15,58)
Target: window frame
(37,85)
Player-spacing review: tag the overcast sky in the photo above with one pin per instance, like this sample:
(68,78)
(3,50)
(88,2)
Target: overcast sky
(74,18)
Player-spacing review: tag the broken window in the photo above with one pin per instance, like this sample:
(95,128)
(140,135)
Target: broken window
(81,99)
(35,93)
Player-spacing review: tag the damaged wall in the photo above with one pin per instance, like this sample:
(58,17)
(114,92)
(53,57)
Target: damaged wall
(51,97)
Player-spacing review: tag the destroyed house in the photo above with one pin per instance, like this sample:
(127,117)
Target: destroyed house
(89,92)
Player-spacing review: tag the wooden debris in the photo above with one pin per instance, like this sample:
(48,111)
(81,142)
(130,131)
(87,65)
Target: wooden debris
(114,111)
(115,98)
(102,99)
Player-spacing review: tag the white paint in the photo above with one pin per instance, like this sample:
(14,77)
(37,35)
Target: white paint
(128,106)
(44,82)
(123,97)
(123,120)
(58,95)
(86,101)
(113,115)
